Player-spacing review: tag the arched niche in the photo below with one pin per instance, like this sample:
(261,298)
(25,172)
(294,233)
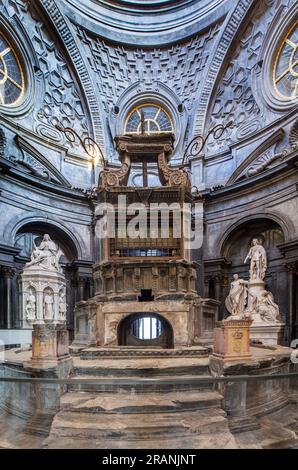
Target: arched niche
(145,330)
(34,231)
(236,245)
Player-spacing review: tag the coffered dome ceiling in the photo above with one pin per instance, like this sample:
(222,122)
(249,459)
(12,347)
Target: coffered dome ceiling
(145,22)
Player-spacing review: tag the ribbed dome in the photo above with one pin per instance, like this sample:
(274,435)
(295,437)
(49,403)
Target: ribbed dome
(145,22)
(146,5)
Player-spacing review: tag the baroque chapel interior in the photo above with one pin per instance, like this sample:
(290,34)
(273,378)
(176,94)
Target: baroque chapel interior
(149,224)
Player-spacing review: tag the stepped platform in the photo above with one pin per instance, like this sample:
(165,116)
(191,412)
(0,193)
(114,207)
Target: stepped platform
(140,399)
(141,367)
(157,402)
(168,429)
(135,352)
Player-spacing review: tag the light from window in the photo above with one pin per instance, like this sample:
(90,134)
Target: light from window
(12,86)
(286,67)
(148,120)
(147,327)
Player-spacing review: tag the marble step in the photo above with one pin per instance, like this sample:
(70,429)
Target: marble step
(115,384)
(218,440)
(118,426)
(138,403)
(142,367)
(142,353)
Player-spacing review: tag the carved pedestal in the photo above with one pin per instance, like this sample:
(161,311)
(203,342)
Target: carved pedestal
(231,340)
(50,348)
(43,296)
(100,322)
(269,334)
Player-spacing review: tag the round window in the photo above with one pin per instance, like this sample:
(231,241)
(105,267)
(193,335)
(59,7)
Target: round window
(286,67)
(148,119)
(12,82)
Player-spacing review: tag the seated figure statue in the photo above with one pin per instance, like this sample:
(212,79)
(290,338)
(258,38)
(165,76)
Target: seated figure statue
(46,255)
(267,308)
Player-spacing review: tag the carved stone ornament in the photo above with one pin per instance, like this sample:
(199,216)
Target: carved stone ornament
(114,178)
(43,286)
(293,137)
(265,161)
(2,142)
(169,176)
(46,255)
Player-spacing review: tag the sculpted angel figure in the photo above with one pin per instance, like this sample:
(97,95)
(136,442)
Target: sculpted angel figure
(258,260)
(236,300)
(46,255)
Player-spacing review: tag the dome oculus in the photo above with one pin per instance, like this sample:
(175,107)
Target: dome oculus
(286,66)
(12,83)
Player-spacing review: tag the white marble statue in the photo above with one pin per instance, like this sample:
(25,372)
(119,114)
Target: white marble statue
(30,308)
(42,282)
(48,303)
(62,306)
(267,308)
(258,261)
(46,255)
(236,300)
(250,299)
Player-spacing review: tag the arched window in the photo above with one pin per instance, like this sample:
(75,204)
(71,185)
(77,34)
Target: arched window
(145,330)
(12,81)
(148,119)
(286,66)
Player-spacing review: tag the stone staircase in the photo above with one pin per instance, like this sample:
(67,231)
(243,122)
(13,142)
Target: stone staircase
(140,402)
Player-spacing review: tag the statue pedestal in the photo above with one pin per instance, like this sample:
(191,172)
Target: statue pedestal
(231,340)
(255,288)
(269,333)
(50,347)
(43,293)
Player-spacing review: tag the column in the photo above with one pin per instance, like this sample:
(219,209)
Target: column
(81,288)
(217,287)
(8,272)
(206,287)
(291,319)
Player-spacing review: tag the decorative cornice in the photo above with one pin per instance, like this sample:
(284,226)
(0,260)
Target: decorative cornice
(9,168)
(288,163)
(53,12)
(274,138)
(10,250)
(25,146)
